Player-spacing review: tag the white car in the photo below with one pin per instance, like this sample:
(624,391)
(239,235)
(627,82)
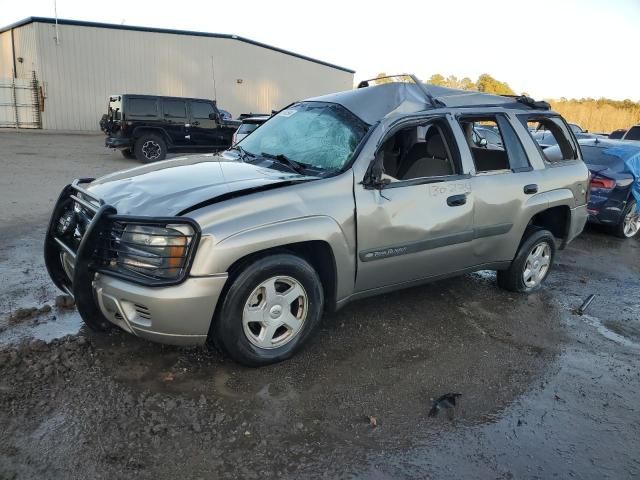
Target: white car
(248,125)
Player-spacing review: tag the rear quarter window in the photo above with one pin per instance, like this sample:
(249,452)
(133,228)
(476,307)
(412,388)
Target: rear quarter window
(551,131)
(142,107)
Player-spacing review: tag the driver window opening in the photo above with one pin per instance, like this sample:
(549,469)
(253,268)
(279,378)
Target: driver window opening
(418,152)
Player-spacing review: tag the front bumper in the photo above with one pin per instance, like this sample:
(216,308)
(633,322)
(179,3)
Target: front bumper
(117,142)
(179,313)
(176,315)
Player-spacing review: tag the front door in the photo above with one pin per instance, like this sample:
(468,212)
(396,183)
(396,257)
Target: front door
(420,224)
(206,132)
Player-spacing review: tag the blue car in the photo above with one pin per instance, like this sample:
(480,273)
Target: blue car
(615,173)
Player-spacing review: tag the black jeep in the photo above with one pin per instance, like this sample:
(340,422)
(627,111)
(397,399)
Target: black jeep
(148,126)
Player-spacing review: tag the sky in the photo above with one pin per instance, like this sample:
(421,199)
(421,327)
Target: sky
(547,48)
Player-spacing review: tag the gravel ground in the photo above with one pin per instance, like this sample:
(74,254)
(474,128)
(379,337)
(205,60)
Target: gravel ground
(545,393)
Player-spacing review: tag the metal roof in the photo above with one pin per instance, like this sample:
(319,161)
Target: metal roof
(374,103)
(81,23)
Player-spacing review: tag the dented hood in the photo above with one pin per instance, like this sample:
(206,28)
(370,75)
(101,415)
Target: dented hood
(174,186)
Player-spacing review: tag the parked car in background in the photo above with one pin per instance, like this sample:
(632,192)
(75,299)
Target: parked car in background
(491,135)
(147,127)
(617,134)
(546,139)
(577,129)
(335,198)
(632,134)
(226,115)
(611,201)
(248,125)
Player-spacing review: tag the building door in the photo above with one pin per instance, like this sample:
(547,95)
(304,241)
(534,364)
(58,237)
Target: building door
(19,103)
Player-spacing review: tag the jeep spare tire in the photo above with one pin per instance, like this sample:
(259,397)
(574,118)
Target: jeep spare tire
(150,148)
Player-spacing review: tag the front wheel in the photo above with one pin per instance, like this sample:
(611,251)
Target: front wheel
(269,311)
(629,226)
(532,263)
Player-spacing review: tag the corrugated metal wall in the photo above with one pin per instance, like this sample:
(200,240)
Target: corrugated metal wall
(91,63)
(6,55)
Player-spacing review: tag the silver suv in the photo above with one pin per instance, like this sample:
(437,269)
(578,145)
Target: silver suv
(333,199)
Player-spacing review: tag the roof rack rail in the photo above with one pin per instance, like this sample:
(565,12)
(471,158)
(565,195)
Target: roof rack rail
(404,78)
(530,102)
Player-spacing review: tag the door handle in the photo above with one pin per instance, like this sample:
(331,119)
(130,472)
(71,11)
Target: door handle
(531,189)
(456,200)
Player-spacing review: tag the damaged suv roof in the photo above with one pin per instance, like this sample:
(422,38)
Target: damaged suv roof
(373,103)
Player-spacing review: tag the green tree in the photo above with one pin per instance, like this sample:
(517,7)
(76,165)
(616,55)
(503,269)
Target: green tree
(486,83)
(437,79)
(467,84)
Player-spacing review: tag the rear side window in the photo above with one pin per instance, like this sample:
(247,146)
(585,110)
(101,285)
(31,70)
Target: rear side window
(201,110)
(498,150)
(633,133)
(142,107)
(174,108)
(548,131)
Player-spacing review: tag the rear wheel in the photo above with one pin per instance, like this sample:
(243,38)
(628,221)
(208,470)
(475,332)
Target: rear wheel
(150,148)
(629,226)
(269,311)
(532,263)
(128,154)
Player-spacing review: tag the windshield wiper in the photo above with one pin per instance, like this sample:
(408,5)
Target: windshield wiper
(284,160)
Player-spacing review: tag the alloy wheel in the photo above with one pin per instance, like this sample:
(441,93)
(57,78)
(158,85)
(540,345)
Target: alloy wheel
(631,223)
(151,150)
(537,265)
(275,312)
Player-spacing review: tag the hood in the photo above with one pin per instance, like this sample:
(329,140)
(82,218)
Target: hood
(170,187)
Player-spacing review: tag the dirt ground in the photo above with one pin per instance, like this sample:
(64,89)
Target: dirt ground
(545,393)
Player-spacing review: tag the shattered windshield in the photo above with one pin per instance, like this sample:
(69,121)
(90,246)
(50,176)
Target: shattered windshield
(316,135)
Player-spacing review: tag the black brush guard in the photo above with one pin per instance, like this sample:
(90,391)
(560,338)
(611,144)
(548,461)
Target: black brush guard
(89,257)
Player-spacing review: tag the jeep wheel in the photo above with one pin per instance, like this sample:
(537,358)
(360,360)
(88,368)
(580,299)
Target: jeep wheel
(150,148)
(128,154)
(532,263)
(629,226)
(269,311)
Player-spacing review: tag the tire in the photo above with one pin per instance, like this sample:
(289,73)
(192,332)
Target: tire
(625,229)
(536,240)
(235,329)
(128,154)
(150,148)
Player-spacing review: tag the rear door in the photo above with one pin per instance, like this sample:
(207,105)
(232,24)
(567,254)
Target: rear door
(175,121)
(206,130)
(505,186)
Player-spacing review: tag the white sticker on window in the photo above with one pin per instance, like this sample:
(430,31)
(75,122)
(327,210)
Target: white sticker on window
(288,112)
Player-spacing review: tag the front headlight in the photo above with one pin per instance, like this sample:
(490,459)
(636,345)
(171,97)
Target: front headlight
(155,251)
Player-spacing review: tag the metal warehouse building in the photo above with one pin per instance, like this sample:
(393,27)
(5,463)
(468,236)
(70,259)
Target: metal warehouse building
(59,75)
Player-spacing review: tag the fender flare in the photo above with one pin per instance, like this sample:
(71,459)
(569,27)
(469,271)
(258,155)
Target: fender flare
(216,257)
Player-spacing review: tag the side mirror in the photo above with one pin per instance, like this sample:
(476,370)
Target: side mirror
(214,116)
(483,142)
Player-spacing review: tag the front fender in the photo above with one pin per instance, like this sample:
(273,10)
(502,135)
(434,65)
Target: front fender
(216,256)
